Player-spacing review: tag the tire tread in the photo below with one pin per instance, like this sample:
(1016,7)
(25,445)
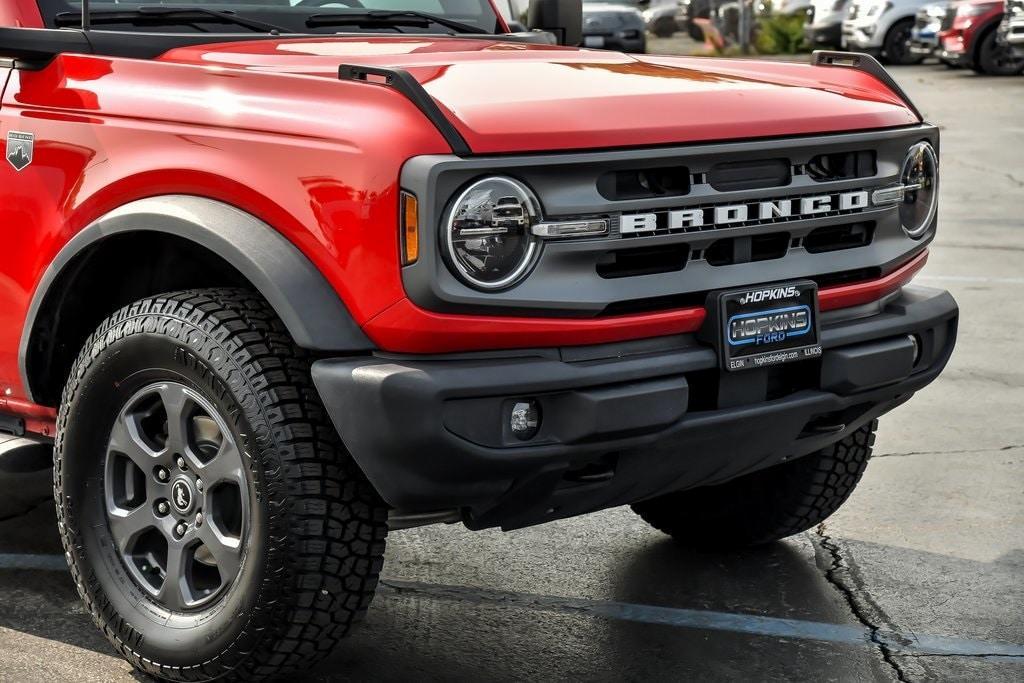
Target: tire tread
(767,505)
(328,525)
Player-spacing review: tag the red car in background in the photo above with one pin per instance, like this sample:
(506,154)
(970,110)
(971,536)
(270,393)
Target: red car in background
(971,39)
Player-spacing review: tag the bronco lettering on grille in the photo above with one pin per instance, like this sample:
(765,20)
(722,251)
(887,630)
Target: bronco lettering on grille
(711,217)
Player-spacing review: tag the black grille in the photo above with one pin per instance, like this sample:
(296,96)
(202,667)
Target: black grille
(839,237)
(841,166)
(750,175)
(644,183)
(673,235)
(733,250)
(643,261)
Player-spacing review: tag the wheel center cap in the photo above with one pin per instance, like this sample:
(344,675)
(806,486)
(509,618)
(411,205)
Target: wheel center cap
(182,495)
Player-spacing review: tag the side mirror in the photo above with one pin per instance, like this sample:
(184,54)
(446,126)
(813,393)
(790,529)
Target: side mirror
(564,18)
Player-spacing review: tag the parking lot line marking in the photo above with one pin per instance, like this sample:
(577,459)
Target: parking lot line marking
(752,624)
(973,278)
(708,620)
(52,563)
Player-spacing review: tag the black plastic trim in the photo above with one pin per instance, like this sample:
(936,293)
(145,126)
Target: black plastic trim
(32,48)
(868,64)
(310,308)
(11,424)
(402,81)
(664,418)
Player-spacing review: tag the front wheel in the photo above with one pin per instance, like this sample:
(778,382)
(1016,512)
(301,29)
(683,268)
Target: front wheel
(995,59)
(664,27)
(766,505)
(896,48)
(213,523)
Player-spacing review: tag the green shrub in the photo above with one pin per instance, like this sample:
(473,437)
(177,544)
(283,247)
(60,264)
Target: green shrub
(780,34)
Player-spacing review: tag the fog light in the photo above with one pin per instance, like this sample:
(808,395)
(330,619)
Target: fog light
(525,420)
(916,341)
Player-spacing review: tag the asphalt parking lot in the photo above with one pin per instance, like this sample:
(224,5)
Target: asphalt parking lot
(919,577)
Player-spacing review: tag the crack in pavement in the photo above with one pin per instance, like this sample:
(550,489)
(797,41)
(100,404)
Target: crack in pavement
(958,655)
(852,601)
(954,451)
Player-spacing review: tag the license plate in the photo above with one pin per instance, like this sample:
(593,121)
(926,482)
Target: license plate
(593,41)
(763,326)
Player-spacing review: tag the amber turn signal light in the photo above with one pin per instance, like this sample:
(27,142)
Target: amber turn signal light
(410,229)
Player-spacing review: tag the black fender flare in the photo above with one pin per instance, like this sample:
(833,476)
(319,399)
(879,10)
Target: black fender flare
(309,307)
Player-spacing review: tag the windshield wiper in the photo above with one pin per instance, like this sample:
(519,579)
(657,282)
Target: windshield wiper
(391,18)
(183,15)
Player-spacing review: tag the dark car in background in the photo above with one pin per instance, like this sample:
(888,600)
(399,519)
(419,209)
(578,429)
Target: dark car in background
(928,24)
(613,24)
(972,40)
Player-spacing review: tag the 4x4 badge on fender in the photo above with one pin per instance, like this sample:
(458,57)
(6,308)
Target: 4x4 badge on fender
(19,149)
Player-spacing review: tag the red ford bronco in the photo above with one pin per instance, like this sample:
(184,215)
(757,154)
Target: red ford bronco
(281,275)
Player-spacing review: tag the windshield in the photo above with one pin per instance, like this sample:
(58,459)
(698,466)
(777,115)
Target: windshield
(290,15)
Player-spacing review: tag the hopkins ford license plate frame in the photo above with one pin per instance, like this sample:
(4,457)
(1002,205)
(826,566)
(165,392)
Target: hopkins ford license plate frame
(767,325)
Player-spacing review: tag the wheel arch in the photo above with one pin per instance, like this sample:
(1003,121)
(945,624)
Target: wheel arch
(161,244)
(980,34)
(902,19)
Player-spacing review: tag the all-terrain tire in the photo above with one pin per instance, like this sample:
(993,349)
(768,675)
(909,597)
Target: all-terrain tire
(315,542)
(766,505)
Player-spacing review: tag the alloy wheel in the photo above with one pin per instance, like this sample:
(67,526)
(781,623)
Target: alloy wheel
(176,496)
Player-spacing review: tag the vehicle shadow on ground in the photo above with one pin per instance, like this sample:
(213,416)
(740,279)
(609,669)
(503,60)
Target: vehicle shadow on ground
(41,602)
(459,632)
(506,637)
(488,633)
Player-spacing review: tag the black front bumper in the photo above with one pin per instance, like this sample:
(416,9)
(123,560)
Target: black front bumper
(620,422)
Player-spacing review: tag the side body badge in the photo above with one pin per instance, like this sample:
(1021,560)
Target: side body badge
(19,149)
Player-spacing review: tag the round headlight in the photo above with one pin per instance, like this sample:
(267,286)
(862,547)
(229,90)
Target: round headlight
(920,178)
(487,233)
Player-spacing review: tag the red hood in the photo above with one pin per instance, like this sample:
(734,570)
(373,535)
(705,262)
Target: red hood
(512,97)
